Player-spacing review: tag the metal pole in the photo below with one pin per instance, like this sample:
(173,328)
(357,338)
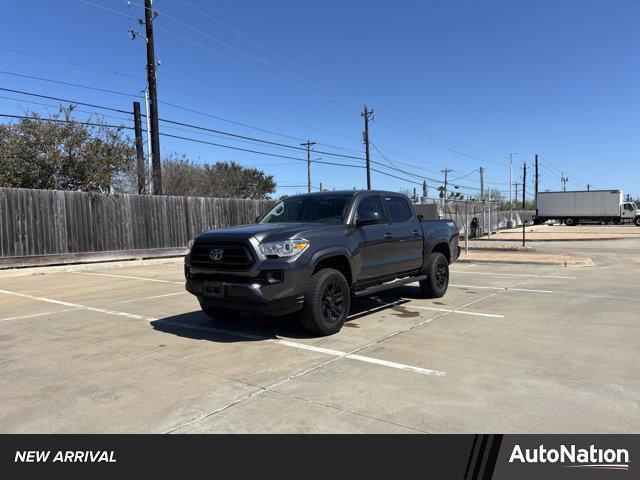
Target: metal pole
(490,219)
(484,215)
(466,228)
(137,127)
(149,156)
(524,187)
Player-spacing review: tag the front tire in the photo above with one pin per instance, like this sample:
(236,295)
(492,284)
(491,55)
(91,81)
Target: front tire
(636,221)
(435,286)
(571,222)
(326,302)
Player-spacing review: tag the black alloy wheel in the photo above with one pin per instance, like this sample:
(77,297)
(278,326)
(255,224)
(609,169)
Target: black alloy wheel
(332,302)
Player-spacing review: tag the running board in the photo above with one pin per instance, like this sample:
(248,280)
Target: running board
(385,286)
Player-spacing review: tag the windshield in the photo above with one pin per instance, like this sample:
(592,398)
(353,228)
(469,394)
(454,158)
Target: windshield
(330,210)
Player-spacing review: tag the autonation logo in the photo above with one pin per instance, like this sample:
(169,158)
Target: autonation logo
(588,458)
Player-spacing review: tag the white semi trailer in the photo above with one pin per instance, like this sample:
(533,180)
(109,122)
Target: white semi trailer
(601,206)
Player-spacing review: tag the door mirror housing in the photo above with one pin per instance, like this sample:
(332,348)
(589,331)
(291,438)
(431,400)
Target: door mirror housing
(374,218)
(258,218)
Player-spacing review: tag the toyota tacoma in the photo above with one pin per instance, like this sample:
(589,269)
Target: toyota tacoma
(310,254)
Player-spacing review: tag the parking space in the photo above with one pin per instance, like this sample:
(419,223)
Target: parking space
(509,348)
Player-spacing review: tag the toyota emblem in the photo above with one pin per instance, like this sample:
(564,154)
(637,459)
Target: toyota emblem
(216,254)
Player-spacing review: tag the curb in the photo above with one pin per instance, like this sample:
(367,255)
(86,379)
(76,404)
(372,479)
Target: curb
(586,263)
(80,267)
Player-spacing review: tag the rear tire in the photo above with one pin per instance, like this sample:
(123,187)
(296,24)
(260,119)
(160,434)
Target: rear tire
(326,302)
(571,222)
(435,286)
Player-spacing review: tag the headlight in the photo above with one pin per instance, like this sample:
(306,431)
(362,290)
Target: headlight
(286,248)
(190,244)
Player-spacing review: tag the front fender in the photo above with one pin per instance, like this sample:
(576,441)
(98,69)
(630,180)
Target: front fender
(328,252)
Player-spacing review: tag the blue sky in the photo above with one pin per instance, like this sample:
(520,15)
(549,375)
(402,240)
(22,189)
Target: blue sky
(453,84)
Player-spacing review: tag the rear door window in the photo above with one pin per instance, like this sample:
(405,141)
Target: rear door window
(398,209)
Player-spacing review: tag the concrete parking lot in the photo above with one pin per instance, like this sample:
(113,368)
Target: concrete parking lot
(510,348)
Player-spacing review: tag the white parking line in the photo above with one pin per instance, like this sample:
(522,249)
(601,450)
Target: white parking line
(492,315)
(501,288)
(37,314)
(75,306)
(312,348)
(424,371)
(130,277)
(514,274)
(151,297)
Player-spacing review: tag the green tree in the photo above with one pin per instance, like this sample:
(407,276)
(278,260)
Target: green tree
(61,153)
(183,177)
(232,180)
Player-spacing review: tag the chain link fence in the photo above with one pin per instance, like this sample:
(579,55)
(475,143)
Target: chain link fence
(479,218)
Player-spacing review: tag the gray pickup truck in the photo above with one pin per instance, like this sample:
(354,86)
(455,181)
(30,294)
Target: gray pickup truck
(312,253)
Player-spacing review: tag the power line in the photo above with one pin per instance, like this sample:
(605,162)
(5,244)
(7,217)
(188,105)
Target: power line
(236,49)
(59,120)
(75,102)
(335,90)
(33,77)
(189,92)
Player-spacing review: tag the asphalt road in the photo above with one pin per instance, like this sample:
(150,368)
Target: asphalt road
(526,349)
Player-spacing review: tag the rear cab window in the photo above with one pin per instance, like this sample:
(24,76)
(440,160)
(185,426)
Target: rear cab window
(398,209)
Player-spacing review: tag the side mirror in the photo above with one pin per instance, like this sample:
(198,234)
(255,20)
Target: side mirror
(372,219)
(258,218)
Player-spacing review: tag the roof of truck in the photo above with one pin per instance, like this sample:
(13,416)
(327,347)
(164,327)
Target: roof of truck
(349,193)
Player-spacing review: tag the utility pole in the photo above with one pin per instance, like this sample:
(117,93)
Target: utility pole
(524,187)
(321,186)
(367,114)
(536,184)
(137,127)
(149,15)
(511,154)
(446,176)
(588,187)
(515,197)
(424,191)
(148,130)
(308,144)
(564,181)
(481,183)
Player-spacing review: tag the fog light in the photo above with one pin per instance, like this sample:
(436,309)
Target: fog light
(275,276)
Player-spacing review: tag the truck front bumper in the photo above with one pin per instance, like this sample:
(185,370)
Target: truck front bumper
(246,297)
(253,290)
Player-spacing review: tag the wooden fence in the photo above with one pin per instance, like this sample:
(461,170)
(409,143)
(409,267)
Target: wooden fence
(48,222)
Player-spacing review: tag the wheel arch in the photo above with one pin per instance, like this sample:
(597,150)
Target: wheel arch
(336,258)
(444,248)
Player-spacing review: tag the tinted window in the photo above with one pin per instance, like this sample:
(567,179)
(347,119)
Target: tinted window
(398,209)
(308,209)
(371,207)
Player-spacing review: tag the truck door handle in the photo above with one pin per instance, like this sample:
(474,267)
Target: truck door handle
(387,235)
(415,233)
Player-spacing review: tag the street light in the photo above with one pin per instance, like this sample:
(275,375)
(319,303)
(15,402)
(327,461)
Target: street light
(511,154)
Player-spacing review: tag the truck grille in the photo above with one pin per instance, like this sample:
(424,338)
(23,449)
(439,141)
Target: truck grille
(233,257)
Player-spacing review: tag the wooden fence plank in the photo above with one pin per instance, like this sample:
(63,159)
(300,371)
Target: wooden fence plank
(45,222)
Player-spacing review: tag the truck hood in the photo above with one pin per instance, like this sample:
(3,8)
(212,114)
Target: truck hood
(262,232)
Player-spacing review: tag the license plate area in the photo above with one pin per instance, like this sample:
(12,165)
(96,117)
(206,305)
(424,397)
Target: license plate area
(214,289)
